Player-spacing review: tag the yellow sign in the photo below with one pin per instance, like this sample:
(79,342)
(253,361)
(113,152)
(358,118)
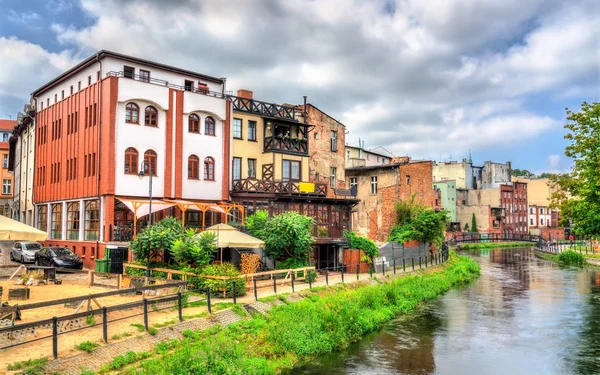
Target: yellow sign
(306,187)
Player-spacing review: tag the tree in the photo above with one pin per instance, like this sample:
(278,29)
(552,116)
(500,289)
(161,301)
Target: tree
(256,224)
(415,221)
(159,236)
(194,249)
(466,227)
(546,175)
(408,210)
(474,223)
(522,173)
(577,194)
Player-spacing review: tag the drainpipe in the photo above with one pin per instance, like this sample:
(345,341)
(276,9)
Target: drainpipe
(99,157)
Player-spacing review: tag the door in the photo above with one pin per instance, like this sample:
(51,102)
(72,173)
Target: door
(117,257)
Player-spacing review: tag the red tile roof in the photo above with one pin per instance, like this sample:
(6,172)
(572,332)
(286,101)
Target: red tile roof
(7,124)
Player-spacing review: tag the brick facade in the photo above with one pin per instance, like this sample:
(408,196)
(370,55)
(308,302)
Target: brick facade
(513,199)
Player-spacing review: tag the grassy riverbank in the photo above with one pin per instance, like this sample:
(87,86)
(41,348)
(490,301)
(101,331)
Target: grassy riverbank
(566,258)
(327,320)
(493,245)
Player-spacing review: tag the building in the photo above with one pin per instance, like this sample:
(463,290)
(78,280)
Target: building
(103,127)
(469,176)
(380,187)
(485,204)
(361,157)
(272,171)
(6,195)
(21,164)
(447,197)
(539,196)
(539,217)
(513,200)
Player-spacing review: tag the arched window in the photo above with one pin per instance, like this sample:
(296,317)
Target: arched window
(193,167)
(194,124)
(56,225)
(92,220)
(132,112)
(209,126)
(209,169)
(151,116)
(150,162)
(43,218)
(131,161)
(73,221)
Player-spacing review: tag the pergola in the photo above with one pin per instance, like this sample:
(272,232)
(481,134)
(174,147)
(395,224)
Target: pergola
(140,208)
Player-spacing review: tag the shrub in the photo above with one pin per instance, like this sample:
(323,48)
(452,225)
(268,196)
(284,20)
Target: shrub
(194,249)
(216,286)
(571,258)
(159,236)
(87,346)
(291,263)
(361,243)
(90,320)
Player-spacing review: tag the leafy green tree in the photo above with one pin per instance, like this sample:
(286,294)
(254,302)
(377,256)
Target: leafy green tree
(546,175)
(289,235)
(408,210)
(194,249)
(577,194)
(474,223)
(466,227)
(430,226)
(257,223)
(160,236)
(522,173)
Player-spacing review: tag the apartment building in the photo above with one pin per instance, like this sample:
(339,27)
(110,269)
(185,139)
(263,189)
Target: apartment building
(361,157)
(7,179)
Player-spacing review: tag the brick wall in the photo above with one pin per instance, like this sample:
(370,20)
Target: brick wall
(88,251)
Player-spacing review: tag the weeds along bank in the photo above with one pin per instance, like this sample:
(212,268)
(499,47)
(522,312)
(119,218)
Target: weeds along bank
(328,319)
(494,245)
(566,258)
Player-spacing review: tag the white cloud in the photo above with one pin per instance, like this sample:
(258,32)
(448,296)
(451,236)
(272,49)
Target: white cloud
(23,18)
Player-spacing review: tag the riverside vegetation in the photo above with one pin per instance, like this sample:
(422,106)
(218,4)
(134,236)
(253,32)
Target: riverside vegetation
(566,258)
(328,319)
(494,245)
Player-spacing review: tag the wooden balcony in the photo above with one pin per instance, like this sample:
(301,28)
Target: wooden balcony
(250,185)
(263,108)
(292,145)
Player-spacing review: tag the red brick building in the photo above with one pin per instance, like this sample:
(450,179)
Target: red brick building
(513,199)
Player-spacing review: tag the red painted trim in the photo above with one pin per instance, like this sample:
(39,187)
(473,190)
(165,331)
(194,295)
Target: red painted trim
(226,151)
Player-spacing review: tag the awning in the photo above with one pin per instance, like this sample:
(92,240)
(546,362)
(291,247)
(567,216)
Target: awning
(16,231)
(195,206)
(228,236)
(141,206)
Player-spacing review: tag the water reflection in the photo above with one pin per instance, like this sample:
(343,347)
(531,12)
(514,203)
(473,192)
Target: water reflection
(523,315)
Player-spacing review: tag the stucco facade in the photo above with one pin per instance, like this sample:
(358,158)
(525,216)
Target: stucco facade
(361,157)
(448,197)
(6,178)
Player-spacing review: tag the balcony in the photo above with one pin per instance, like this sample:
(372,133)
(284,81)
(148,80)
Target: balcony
(291,145)
(286,137)
(136,77)
(263,108)
(279,187)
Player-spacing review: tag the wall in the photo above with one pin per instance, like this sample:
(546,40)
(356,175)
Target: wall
(448,192)
(539,191)
(5,175)
(453,171)
(464,215)
(495,174)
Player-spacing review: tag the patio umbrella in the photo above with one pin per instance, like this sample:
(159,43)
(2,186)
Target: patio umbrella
(228,236)
(16,231)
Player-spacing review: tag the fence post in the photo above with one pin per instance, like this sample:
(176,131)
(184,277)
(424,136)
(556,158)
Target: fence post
(358,271)
(208,300)
(104,325)
(179,306)
(275,283)
(425,261)
(255,291)
(293,281)
(419,262)
(327,277)
(383,268)
(146,314)
(403,265)
(55,337)
(310,279)
(342,273)
(413,263)
(234,293)
(394,266)
(371,270)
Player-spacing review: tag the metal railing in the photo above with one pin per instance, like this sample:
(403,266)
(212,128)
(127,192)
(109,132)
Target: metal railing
(199,90)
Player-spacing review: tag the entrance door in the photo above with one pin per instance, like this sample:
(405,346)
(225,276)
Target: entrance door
(326,257)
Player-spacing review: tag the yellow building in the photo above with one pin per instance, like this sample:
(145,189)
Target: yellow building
(539,190)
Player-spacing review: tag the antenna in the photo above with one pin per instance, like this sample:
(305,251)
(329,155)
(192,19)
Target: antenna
(9,116)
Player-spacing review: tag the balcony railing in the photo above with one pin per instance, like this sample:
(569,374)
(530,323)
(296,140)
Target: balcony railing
(295,145)
(136,77)
(276,187)
(263,108)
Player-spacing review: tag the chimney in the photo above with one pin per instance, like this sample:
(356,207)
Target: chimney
(304,113)
(246,94)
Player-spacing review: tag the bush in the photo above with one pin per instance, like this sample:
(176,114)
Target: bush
(194,249)
(159,236)
(361,243)
(87,346)
(216,286)
(157,274)
(571,258)
(291,263)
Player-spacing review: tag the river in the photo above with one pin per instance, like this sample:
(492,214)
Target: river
(523,315)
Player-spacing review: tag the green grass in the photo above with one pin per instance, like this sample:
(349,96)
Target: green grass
(120,335)
(121,361)
(87,346)
(566,258)
(29,364)
(140,327)
(325,321)
(240,311)
(494,245)
(165,324)
(90,320)
(152,331)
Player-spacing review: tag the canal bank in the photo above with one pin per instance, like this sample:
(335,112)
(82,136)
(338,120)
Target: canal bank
(326,320)
(523,315)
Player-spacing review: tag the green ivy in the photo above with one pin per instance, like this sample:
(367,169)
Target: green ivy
(361,243)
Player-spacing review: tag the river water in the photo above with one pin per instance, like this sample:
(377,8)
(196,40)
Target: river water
(523,315)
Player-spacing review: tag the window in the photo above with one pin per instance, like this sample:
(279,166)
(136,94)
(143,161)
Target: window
(194,124)
(332,177)
(189,85)
(79,86)
(291,170)
(62,94)
(373,184)
(6,186)
(56,225)
(408,180)
(55,98)
(542,221)
(209,168)
(237,168)
(316,136)
(209,126)
(353,182)
(89,80)
(150,117)
(5,161)
(92,221)
(541,211)
(131,113)
(128,71)
(150,162)
(73,221)
(144,75)
(251,130)
(47,102)
(131,161)
(193,167)
(251,168)
(530,221)
(42,223)
(237,128)
(4,137)
(333,141)
(71,89)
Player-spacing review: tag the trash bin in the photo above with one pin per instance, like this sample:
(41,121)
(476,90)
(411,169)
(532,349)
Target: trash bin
(102,265)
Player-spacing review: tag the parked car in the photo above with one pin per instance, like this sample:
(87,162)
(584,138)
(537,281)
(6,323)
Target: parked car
(59,257)
(24,252)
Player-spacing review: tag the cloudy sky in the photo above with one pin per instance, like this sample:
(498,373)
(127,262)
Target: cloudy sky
(429,78)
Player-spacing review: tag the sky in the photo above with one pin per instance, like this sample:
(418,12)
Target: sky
(433,79)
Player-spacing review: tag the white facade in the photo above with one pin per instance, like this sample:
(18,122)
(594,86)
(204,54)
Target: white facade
(539,216)
(23,169)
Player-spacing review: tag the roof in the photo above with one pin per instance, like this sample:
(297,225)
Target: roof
(7,124)
(323,112)
(385,166)
(104,53)
(385,155)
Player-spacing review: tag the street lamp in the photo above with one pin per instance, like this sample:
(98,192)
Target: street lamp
(141,174)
